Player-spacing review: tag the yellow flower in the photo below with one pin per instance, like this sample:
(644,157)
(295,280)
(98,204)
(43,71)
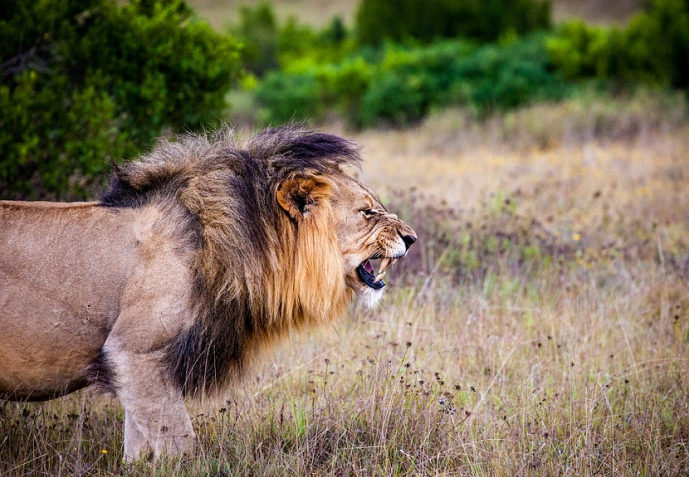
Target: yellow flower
(576,236)
(104,451)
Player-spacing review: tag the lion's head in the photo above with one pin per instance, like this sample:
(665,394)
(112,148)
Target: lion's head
(367,234)
(280,236)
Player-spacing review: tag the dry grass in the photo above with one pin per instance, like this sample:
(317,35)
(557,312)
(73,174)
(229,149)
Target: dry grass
(540,327)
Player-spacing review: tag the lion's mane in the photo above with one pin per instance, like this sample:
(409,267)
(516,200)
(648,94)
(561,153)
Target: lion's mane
(257,272)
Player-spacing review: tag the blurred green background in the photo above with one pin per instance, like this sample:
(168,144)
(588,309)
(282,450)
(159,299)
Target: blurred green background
(84,84)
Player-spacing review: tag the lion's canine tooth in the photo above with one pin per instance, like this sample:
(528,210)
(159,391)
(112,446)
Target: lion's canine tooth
(394,260)
(380,276)
(384,264)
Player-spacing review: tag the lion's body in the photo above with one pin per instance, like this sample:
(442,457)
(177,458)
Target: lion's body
(65,271)
(196,256)
(42,303)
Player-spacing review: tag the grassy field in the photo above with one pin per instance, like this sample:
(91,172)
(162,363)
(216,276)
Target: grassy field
(540,326)
(319,12)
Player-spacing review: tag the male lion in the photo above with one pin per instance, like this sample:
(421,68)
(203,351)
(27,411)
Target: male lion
(196,256)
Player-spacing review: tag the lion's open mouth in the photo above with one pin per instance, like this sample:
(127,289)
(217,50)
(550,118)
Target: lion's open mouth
(367,273)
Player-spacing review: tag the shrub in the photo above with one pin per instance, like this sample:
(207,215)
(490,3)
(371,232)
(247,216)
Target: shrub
(344,84)
(378,20)
(335,32)
(657,43)
(285,97)
(394,99)
(55,143)
(268,45)
(409,82)
(487,78)
(580,49)
(307,89)
(297,41)
(258,32)
(401,84)
(87,83)
(652,49)
(507,76)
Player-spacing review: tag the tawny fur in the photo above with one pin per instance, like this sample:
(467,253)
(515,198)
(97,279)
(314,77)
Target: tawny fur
(198,254)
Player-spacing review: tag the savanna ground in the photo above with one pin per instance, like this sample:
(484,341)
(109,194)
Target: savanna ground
(539,327)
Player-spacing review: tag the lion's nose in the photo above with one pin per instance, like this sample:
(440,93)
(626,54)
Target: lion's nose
(408,240)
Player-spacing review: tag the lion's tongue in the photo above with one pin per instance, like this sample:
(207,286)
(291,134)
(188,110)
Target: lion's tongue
(368,267)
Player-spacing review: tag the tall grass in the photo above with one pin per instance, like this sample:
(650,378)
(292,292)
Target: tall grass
(539,327)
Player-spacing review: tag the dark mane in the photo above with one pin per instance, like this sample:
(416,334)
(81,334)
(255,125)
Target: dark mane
(278,152)
(228,191)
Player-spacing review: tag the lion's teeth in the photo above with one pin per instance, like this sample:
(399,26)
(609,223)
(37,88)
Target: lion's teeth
(384,264)
(380,276)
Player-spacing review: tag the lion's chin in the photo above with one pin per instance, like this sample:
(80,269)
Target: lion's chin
(370,297)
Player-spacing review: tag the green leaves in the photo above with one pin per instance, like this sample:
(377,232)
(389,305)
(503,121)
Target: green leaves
(487,20)
(402,84)
(652,49)
(88,83)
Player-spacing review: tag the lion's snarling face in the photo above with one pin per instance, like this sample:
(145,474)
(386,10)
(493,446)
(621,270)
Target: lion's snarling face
(370,238)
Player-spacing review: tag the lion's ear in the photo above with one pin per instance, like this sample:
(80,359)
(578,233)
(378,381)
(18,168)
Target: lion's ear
(300,196)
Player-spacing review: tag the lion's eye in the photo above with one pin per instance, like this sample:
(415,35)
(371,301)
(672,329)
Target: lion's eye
(366,212)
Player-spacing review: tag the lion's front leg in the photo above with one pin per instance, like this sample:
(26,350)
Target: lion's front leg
(156,418)
(157,431)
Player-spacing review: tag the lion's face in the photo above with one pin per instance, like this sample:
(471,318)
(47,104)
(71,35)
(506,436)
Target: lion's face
(370,238)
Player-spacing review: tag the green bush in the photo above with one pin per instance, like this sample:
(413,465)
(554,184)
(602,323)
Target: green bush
(258,32)
(92,82)
(580,49)
(268,45)
(397,100)
(653,48)
(656,43)
(307,89)
(507,76)
(284,97)
(379,20)
(344,84)
(297,41)
(488,78)
(409,82)
(335,32)
(55,143)
(401,84)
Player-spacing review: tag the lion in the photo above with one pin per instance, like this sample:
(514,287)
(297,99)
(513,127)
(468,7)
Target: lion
(197,255)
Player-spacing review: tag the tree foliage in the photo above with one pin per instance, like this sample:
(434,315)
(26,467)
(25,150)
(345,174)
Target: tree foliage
(268,45)
(402,84)
(85,83)
(653,48)
(483,20)
(258,32)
